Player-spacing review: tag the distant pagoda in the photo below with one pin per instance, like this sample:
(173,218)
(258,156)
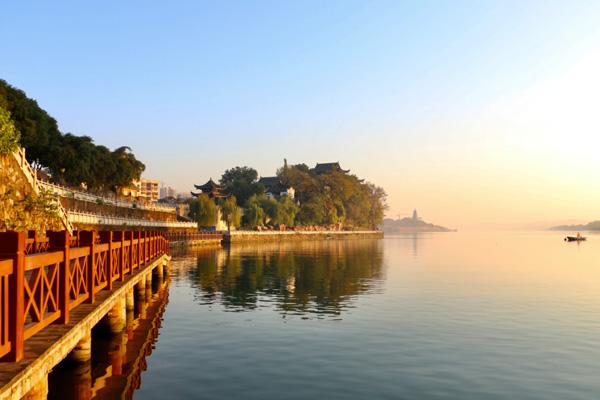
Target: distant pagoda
(210,188)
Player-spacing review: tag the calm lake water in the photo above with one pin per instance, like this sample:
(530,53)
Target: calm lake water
(508,315)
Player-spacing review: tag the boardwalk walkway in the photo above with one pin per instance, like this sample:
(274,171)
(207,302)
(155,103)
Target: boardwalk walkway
(51,299)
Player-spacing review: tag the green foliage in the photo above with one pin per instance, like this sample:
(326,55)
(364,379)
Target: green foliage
(254,215)
(312,211)
(22,212)
(334,197)
(287,211)
(203,210)
(38,130)
(231,213)
(70,160)
(9,135)
(321,199)
(241,182)
(270,207)
(299,177)
(127,167)
(263,209)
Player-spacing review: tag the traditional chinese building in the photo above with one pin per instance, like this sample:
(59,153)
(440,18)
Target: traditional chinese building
(322,168)
(274,187)
(212,189)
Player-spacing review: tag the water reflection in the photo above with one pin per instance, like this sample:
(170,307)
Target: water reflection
(309,278)
(117,360)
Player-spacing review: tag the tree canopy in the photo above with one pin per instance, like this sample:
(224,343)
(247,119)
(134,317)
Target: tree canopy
(231,213)
(328,198)
(242,183)
(9,135)
(69,159)
(203,210)
(334,197)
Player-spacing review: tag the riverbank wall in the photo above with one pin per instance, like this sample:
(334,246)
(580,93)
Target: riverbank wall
(182,244)
(274,236)
(181,241)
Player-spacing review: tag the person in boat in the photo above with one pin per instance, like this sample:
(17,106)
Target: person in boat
(578,235)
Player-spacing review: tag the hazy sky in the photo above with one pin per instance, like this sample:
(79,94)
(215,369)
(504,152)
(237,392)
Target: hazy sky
(476,113)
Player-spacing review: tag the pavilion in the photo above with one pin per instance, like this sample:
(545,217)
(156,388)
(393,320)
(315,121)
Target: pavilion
(212,189)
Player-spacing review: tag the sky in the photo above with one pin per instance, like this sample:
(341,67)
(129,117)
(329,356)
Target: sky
(476,113)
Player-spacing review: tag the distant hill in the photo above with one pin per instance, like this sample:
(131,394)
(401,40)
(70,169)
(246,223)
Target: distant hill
(409,225)
(592,226)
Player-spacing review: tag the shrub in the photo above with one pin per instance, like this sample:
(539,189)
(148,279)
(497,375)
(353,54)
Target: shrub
(9,135)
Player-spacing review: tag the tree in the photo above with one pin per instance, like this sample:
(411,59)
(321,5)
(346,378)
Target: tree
(9,135)
(127,167)
(287,211)
(334,197)
(203,210)
(241,182)
(254,215)
(271,208)
(69,159)
(231,213)
(377,205)
(299,177)
(312,212)
(245,174)
(38,129)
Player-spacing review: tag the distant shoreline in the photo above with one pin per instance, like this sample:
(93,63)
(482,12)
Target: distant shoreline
(419,230)
(412,225)
(592,226)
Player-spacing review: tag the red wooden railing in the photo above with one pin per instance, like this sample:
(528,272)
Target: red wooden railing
(43,278)
(184,237)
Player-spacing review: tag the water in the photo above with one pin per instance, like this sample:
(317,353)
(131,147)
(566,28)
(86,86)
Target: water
(431,316)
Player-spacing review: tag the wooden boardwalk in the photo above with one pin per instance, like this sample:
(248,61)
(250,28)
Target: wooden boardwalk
(96,277)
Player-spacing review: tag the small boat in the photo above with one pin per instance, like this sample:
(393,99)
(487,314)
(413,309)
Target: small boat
(575,238)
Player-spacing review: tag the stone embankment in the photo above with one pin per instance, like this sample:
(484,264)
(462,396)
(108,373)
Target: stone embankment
(21,206)
(184,240)
(273,236)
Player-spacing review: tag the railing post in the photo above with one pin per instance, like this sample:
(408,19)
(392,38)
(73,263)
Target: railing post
(106,237)
(121,238)
(61,241)
(88,239)
(130,251)
(32,234)
(154,250)
(140,249)
(76,235)
(153,244)
(146,247)
(12,246)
